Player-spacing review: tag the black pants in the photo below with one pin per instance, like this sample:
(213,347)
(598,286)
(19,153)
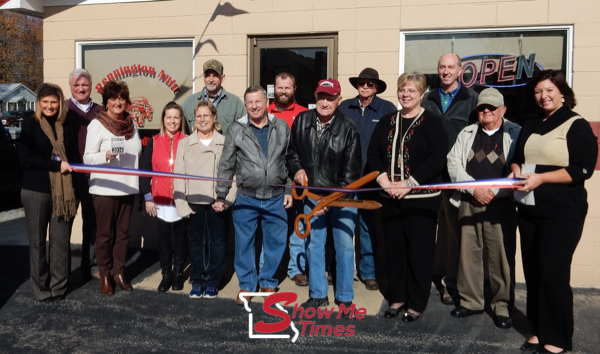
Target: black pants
(547,247)
(409,228)
(207,230)
(88,229)
(172,252)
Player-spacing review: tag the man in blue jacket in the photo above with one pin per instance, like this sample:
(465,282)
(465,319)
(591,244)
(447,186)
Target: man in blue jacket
(365,110)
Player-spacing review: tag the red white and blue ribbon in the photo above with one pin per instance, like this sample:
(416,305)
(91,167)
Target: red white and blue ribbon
(487,183)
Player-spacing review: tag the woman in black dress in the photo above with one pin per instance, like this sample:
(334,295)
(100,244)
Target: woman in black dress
(408,148)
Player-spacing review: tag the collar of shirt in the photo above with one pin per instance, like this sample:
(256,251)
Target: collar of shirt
(323,126)
(84,107)
(451,93)
(218,97)
(255,127)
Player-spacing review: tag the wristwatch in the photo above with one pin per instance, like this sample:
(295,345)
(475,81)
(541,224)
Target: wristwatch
(409,183)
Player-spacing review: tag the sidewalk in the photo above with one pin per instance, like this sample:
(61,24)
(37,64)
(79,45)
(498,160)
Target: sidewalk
(145,320)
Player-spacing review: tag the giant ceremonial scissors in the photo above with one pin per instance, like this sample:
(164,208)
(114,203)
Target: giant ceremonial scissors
(333,200)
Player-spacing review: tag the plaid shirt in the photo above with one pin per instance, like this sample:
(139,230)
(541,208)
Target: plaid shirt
(321,128)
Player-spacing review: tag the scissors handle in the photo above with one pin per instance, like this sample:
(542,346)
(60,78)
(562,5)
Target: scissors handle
(295,191)
(306,219)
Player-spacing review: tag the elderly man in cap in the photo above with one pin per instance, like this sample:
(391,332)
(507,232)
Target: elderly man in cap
(365,111)
(229,107)
(487,216)
(325,151)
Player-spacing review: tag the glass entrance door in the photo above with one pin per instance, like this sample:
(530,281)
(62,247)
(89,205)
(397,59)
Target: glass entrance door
(309,59)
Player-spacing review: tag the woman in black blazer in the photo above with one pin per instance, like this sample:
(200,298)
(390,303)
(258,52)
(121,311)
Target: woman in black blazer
(48,196)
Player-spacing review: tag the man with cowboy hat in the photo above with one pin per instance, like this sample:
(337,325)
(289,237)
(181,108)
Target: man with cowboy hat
(365,110)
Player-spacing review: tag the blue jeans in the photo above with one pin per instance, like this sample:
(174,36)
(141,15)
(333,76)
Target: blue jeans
(298,246)
(343,222)
(246,213)
(367,235)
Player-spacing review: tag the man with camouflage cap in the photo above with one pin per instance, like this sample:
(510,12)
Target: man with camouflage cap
(229,107)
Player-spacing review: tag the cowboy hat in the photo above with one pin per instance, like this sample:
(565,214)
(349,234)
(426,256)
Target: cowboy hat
(371,74)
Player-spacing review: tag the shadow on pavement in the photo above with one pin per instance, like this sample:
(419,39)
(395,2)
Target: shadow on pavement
(14,262)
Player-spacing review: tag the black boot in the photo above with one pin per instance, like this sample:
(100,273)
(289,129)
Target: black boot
(165,283)
(179,256)
(177,280)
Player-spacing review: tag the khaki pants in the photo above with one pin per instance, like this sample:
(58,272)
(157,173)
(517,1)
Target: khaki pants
(482,228)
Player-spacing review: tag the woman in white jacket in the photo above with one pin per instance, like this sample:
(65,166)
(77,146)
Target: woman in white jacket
(113,140)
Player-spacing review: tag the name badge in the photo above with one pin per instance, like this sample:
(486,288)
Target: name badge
(117,145)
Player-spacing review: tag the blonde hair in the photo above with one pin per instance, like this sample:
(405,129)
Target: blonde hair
(46,90)
(417,78)
(182,126)
(217,126)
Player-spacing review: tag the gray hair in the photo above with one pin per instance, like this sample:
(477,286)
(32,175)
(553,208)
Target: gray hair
(78,73)
(253,89)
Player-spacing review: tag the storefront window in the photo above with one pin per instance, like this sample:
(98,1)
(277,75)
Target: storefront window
(504,58)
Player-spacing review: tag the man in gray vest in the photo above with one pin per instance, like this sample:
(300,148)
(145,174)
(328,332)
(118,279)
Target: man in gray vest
(229,107)
(455,103)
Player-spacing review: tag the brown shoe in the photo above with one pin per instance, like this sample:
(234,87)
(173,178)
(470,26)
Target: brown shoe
(371,284)
(106,285)
(446,297)
(268,290)
(239,301)
(300,279)
(122,282)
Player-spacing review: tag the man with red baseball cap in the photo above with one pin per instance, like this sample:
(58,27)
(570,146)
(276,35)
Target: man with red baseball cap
(324,151)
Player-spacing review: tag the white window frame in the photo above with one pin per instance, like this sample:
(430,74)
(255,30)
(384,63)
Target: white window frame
(568,28)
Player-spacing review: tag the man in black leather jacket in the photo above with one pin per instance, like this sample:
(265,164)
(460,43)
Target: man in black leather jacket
(324,150)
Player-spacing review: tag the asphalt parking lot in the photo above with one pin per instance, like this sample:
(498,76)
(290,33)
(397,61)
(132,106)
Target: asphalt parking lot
(146,321)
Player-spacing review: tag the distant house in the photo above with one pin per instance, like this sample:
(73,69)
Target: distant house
(16,97)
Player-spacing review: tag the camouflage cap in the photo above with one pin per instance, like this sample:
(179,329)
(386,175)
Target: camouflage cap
(213,64)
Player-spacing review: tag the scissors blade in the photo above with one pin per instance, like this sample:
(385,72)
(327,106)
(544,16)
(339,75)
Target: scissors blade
(356,203)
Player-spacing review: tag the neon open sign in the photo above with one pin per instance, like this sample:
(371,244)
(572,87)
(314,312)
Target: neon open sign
(498,70)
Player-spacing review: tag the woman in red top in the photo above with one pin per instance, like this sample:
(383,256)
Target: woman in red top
(159,155)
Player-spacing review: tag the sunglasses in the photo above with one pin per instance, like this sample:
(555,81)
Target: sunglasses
(363,83)
(483,107)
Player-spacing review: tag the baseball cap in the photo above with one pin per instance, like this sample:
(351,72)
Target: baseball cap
(213,64)
(329,86)
(490,96)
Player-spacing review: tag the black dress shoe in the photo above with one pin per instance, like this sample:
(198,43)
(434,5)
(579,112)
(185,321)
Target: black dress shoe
(461,311)
(46,300)
(529,346)
(410,316)
(503,322)
(58,298)
(542,350)
(394,312)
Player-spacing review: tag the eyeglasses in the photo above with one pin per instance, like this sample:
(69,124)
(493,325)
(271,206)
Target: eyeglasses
(411,92)
(363,83)
(483,107)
